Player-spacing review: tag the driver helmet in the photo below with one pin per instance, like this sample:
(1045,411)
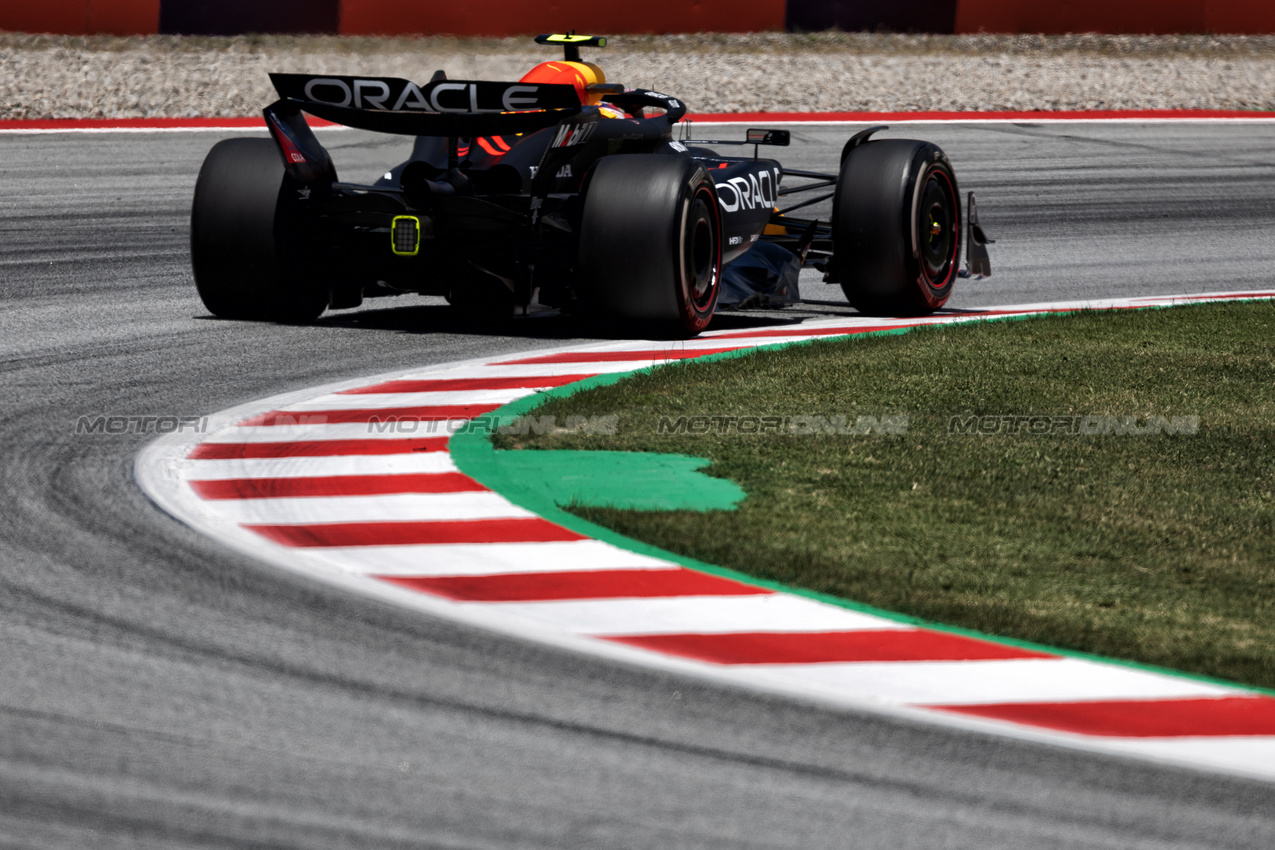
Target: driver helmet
(581,75)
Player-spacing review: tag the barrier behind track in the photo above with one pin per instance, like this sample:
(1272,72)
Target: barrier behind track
(232,17)
(934,16)
(81,17)
(519,17)
(1117,16)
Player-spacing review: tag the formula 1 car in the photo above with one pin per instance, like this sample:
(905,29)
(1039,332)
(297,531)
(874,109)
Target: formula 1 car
(560,187)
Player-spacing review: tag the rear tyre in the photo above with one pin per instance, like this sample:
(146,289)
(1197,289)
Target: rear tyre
(896,227)
(244,237)
(651,242)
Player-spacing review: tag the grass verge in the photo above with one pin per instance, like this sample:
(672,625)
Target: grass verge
(1156,548)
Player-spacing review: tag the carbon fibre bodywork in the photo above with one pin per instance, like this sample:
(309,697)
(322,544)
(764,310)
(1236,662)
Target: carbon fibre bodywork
(498,194)
(567,190)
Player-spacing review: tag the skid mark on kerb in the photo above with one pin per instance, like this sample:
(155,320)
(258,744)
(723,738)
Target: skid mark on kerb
(313,482)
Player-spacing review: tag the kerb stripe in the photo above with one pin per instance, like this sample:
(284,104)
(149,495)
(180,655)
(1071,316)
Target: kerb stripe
(590,584)
(820,647)
(427,385)
(316,448)
(534,530)
(335,485)
(1139,718)
(1171,718)
(431,413)
(797,333)
(618,356)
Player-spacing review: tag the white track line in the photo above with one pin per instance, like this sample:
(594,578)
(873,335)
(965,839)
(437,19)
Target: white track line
(321,431)
(977,682)
(338,401)
(776,612)
(480,559)
(420,507)
(307,467)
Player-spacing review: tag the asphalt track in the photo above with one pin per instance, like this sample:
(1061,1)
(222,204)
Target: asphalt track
(158,690)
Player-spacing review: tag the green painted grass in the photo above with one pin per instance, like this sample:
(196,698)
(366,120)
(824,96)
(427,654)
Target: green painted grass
(638,481)
(1157,549)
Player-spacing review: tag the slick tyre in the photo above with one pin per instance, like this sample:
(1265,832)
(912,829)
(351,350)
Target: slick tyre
(650,251)
(896,227)
(244,235)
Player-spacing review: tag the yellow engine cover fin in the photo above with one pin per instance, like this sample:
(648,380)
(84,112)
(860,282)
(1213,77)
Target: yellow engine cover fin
(571,43)
(572,38)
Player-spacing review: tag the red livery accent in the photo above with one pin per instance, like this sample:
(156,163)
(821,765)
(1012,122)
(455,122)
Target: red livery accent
(589,584)
(823,647)
(487,146)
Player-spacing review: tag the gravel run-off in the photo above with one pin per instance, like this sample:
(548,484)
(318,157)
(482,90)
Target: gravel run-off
(164,76)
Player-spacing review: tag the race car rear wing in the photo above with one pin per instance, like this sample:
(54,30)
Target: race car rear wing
(446,108)
(440,107)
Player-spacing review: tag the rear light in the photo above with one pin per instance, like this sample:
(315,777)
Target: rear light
(405,233)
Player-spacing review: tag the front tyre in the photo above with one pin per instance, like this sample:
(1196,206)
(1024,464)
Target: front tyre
(651,242)
(244,237)
(896,227)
